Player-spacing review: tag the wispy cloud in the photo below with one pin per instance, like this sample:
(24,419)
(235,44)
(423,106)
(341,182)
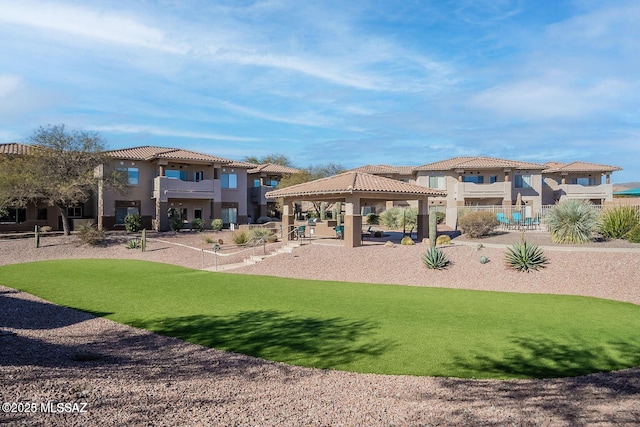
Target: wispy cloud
(104,25)
(158,131)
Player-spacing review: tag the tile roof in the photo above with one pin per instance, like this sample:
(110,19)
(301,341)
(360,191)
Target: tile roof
(385,169)
(478,163)
(555,167)
(239,164)
(151,153)
(353,182)
(14,148)
(273,168)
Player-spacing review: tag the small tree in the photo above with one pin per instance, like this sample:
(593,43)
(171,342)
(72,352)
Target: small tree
(60,169)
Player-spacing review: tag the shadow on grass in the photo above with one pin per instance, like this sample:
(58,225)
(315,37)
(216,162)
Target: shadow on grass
(532,357)
(281,336)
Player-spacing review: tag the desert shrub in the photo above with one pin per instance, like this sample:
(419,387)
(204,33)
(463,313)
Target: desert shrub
(197,224)
(479,247)
(398,217)
(616,222)
(241,238)
(377,233)
(435,259)
(208,239)
(443,239)
(176,223)
(483,259)
(478,224)
(634,234)
(272,238)
(572,221)
(133,244)
(132,223)
(373,219)
(90,235)
(525,257)
(406,240)
(45,228)
(216,224)
(440,217)
(258,233)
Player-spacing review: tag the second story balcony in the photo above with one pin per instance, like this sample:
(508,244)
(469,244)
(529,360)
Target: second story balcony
(472,190)
(577,191)
(167,188)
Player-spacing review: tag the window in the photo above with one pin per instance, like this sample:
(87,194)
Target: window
(271,183)
(74,212)
(176,174)
(366,210)
(132,175)
(198,176)
(493,179)
(475,179)
(586,181)
(522,181)
(41,215)
(229,180)
(197,213)
(256,183)
(122,212)
(14,215)
(437,181)
(229,215)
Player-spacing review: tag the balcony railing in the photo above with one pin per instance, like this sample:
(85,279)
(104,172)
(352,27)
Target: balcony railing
(495,190)
(166,188)
(573,191)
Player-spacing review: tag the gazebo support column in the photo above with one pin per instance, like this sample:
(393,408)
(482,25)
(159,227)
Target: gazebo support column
(288,223)
(352,223)
(423,219)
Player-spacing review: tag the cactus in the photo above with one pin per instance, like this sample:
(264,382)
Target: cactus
(433,229)
(143,242)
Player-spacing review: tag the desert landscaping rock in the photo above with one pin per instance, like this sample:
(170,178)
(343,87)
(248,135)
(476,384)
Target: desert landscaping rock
(129,376)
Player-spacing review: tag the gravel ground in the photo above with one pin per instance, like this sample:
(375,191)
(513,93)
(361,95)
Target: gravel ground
(128,376)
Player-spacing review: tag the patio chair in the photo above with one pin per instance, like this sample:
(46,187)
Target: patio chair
(503,220)
(300,231)
(536,222)
(517,219)
(339,231)
(367,234)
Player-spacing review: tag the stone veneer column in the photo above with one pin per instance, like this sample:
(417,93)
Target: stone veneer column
(352,223)
(288,220)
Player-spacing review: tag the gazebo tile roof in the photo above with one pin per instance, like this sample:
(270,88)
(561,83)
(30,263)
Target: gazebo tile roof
(353,182)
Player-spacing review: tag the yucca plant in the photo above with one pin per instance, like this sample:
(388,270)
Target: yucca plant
(259,233)
(618,221)
(435,259)
(525,257)
(572,221)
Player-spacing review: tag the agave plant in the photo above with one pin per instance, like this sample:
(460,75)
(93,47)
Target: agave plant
(572,221)
(525,257)
(434,258)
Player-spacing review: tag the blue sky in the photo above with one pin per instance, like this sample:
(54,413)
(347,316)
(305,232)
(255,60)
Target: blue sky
(352,82)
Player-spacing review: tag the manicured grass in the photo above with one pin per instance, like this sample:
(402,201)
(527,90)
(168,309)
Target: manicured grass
(349,326)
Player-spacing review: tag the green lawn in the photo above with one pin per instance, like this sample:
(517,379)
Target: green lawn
(349,326)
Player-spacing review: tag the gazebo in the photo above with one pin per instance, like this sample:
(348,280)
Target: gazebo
(355,188)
